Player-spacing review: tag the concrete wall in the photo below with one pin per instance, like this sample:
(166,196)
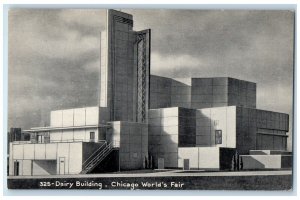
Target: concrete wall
(119,67)
(260,130)
(160,92)
(25,153)
(132,138)
(117,48)
(181,92)
(246,129)
(201,92)
(186,127)
(113,134)
(88,148)
(210,120)
(103,71)
(222,91)
(199,157)
(76,135)
(170,128)
(75,117)
(167,92)
(241,93)
(269,152)
(164,135)
(209,92)
(261,161)
(44,167)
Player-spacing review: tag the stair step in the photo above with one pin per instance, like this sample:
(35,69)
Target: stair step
(98,159)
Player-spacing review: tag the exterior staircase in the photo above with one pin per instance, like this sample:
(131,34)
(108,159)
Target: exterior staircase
(96,158)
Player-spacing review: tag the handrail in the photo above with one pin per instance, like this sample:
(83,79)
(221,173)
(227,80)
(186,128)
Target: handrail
(23,142)
(100,148)
(104,152)
(101,154)
(97,157)
(91,164)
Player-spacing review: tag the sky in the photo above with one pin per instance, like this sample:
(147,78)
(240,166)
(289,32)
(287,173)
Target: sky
(54,55)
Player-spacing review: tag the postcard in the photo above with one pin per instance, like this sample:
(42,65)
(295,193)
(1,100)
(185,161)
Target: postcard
(150,99)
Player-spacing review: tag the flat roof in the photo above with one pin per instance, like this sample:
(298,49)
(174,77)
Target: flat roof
(49,128)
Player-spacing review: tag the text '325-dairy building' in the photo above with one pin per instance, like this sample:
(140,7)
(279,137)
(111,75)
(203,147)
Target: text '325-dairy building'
(144,121)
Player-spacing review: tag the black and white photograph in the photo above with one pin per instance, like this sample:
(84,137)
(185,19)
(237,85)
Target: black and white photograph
(150,99)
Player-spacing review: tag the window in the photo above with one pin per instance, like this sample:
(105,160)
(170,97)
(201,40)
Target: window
(16,168)
(218,134)
(92,135)
(47,137)
(40,138)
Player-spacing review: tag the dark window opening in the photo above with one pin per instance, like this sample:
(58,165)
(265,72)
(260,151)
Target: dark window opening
(40,138)
(218,136)
(92,135)
(16,168)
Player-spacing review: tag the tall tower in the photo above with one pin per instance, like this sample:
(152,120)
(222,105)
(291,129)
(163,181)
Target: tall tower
(124,69)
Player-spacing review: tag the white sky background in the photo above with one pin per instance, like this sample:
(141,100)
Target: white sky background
(54,55)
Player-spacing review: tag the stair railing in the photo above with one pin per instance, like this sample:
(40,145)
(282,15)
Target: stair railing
(93,154)
(103,152)
(97,158)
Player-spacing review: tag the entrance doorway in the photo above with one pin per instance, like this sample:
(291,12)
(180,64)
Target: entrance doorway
(186,164)
(16,168)
(61,165)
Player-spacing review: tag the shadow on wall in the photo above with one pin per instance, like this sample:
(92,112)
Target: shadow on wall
(160,92)
(89,148)
(252,163)
(167,148)
(109,164)
(187,127)
(44,167)
(168,92)
(226,156)
(205,132)
(287,161)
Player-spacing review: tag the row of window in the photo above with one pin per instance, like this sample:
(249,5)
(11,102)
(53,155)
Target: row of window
(45,137)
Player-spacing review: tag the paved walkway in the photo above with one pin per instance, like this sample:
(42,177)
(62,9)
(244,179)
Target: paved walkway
(172,173)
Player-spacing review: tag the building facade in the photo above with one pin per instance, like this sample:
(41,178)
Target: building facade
(79,139)
(175,132)
(124,69)
(143,120)
(201,92)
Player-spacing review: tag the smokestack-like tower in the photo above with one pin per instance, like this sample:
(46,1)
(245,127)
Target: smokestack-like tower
(124,69)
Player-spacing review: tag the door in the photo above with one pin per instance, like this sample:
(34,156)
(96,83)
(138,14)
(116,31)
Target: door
(16,168)
(92,136)
(40,139)
(61,165)
(161,163)
(186,164)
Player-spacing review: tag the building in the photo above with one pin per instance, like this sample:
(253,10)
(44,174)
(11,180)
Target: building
(192,123)
(15,134)
(212,117)
(201,92)
(124,70)
(175,133)
(77,140)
